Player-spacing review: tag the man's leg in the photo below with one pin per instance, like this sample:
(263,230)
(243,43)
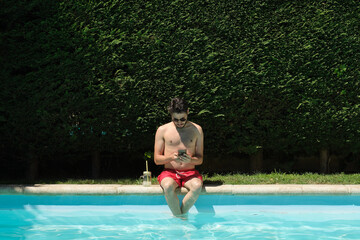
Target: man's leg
(169,186)
(194,186)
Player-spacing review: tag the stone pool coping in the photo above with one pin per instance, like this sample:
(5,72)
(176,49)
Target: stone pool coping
(118,189)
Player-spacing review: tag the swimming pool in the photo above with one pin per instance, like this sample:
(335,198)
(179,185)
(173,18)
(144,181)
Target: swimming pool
(148,217)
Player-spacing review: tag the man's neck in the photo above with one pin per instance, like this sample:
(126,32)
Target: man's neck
(181,128)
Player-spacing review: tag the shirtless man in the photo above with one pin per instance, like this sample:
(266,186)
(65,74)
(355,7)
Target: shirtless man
(179,169)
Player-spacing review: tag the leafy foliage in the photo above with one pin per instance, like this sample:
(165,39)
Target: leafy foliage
(98,74)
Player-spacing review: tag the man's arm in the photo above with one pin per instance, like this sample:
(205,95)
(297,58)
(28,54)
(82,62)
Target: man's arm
(159,157)
(197,158)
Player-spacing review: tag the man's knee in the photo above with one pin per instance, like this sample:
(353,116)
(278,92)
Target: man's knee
(168,185)
(195,185)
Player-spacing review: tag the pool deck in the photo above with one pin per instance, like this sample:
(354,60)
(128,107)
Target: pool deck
(117,189)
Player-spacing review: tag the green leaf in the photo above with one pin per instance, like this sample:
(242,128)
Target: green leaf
(204,111)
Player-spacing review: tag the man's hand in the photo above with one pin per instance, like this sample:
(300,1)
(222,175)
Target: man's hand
(174,157)
(185,158)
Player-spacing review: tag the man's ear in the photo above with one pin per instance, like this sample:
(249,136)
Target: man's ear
(187,112)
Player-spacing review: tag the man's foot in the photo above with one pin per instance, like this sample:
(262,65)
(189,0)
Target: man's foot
(183,216)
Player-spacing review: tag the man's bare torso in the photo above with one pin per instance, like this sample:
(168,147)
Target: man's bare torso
(180,138)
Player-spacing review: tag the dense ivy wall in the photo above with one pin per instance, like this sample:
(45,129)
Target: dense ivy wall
(83,76)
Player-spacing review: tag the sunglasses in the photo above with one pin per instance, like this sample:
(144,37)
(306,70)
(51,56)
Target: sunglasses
(179,120)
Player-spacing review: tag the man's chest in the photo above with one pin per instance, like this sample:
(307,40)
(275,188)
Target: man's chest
(177,138)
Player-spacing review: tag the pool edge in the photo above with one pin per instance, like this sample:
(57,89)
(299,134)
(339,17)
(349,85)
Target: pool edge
(117,189)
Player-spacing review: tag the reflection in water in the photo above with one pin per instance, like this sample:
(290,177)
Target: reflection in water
(65,220)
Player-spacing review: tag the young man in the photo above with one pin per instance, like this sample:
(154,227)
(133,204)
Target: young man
(179,147)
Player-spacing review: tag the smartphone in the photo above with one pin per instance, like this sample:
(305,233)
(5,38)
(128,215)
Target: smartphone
(181,152)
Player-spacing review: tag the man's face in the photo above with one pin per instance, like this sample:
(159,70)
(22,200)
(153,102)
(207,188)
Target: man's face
(179,119)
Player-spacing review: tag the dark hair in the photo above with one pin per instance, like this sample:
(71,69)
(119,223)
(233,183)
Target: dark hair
(177,105)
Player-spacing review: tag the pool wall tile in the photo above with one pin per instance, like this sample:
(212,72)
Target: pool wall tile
(354,189)
(223,189)
(323,189)
(117,189)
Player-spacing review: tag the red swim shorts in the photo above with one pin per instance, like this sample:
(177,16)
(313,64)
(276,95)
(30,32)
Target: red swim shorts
(180,176)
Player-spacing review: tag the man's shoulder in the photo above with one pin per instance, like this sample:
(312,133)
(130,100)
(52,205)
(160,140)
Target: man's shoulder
(164,127)
(197,126)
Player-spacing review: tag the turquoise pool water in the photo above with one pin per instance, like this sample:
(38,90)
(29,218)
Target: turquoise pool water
(148,217)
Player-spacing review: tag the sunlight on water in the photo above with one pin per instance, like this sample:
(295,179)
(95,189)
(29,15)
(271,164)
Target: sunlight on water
(155,222)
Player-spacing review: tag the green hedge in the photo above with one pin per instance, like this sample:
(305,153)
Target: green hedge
(97,75)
